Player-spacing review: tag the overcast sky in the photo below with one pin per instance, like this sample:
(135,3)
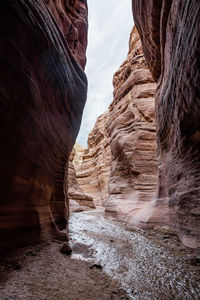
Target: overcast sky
(110,25)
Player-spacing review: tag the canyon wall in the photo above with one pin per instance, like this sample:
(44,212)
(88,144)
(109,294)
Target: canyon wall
(42,92)
(170,34)
(78,200)
(131,126)
(94,169)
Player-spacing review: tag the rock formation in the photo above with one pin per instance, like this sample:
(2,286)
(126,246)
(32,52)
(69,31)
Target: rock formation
(42,93)
(78,200)
(94,170)
(131,126)
(170,34)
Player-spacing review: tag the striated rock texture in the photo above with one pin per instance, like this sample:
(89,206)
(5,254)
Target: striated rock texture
(131,126)
(170,33)
(94,169)
(78,200)
(42,95)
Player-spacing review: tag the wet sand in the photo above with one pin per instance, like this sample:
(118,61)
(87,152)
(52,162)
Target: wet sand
(43,273)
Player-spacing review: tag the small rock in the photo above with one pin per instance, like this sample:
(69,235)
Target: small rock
(16,266)
(97,266)
(112,241)
(166,237)
(195,261)
(31,253)
(66,249)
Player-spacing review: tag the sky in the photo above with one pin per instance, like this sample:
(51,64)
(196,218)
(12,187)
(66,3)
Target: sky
(110,25)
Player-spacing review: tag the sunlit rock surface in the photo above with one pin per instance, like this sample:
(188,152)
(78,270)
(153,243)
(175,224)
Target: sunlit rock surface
(42,94)
(78,200)
(170,33)
(131,126)
(94,170)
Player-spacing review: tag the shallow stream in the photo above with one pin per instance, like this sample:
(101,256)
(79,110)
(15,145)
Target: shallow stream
(142,267)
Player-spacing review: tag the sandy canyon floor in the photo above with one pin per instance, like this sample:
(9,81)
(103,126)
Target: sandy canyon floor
(109,261)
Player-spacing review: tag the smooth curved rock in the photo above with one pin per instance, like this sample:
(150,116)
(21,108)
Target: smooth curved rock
(42,95)
(131,126)
(170,33)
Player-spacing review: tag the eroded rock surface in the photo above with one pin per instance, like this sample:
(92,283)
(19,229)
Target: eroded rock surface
(42,93)
(170,33)
(94,170)
(131,126)
(78,200)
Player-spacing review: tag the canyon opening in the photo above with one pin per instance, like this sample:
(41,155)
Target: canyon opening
(120,217)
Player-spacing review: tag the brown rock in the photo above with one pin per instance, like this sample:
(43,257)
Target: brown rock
(42,94)
(170,33)
(66,249)
(131,126)
(97,266)
(94,170)
(78,200)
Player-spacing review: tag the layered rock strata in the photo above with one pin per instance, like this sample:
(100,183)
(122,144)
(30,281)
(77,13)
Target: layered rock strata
(94,170)
(42,93)
(131,126)
(78,200)
(170,34)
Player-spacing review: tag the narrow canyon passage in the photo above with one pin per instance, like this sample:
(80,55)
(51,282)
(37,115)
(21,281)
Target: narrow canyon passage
(107,259)
(120,217)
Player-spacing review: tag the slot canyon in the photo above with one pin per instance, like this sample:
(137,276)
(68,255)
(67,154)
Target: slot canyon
(120,218)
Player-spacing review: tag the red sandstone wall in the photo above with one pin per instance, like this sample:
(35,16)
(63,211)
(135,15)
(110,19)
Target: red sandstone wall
(78,199)
(42,95)
(94,170)
(170,34)
(132,133)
